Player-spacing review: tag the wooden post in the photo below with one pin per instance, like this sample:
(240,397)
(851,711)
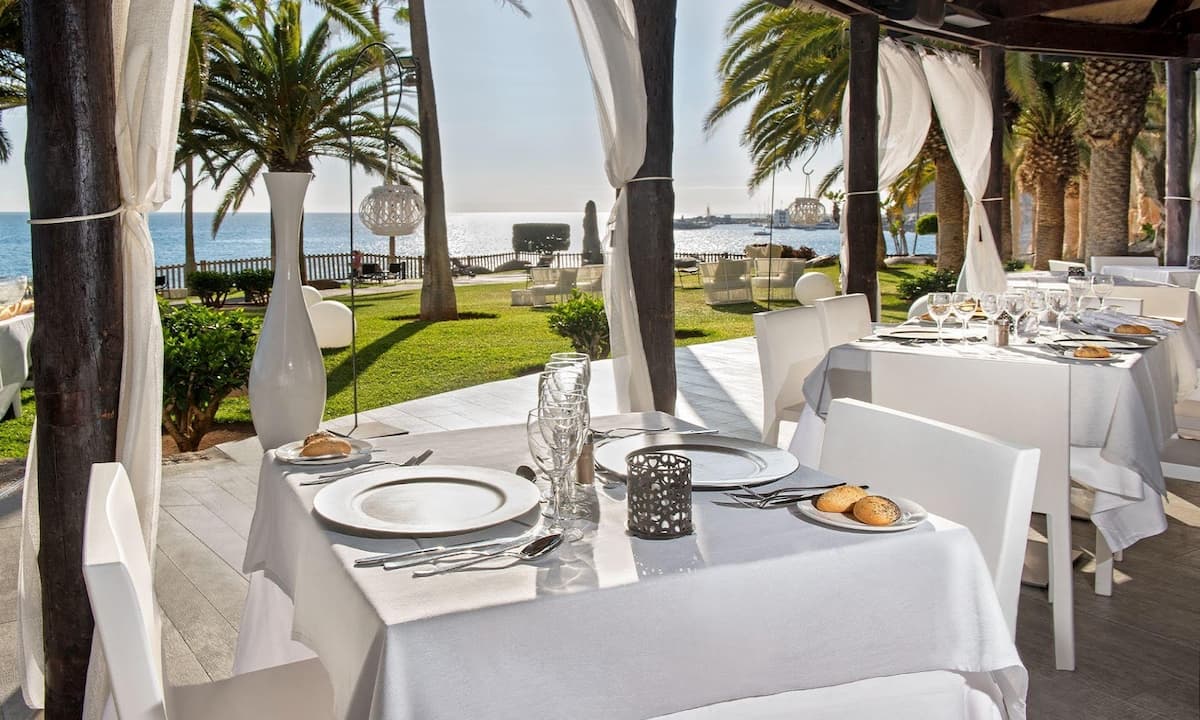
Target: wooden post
(862,159)
(1177,212)
(991,64)
(652,204)
(71,168)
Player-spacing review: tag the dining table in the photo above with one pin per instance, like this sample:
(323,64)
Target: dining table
(752,603)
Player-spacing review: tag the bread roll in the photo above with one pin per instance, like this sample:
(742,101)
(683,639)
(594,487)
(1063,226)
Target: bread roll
(1092,351)
(1132,329)
(876,510)
(839,499)
(325,446)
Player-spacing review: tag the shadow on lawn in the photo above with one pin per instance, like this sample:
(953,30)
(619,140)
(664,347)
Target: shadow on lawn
(340,377)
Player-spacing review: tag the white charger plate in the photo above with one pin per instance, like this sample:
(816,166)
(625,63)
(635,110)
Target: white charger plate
(717,461)
(290,453)
(425,500)
(911,515)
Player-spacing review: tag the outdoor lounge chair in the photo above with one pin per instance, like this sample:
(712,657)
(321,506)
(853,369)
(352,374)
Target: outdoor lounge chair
(160,284)
(777,274)
(726,282)
(371,271)
(560,289)
(459,269)
(687,266)
(398,271)
(590,279)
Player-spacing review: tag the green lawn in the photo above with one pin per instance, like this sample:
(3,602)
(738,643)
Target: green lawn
(401,358)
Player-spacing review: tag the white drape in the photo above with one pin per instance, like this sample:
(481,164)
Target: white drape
(150,56)
(964,108)
(904,116)
(608,34)
(1194,176)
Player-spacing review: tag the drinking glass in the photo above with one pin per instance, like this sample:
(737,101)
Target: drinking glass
(554,435)
(1035,305)
(1014,305)
(991,304)
(1102,285)
(1058,300)
(962,306)
(581,360)
(1079,288)
(939,310)
(1035,302)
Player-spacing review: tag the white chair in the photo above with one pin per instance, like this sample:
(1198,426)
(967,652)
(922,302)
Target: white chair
(590,278)
(333,324)
(976,480)
(1161,301)
(116,570)
(919,307)
(777,274)
(1099,261)
(1129,306)
(312,296)
(844,318)
(726,282)
(1065,265)
(991,397)
(790,344)
(561,288)
(813,286)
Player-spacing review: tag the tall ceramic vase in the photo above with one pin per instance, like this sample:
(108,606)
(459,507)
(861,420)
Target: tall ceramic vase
(287,378)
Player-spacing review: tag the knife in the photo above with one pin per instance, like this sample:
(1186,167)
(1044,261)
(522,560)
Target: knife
(375,560)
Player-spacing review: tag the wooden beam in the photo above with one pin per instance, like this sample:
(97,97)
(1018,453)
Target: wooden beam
(1016,9)
(991,64)
(1072,38)
(862,159)
(1177,212)
(71,168)
(652,204)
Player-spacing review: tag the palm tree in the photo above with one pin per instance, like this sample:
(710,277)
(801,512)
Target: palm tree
(948,202)
(12,66)
(278,100)
(1049,94)
(1114,99)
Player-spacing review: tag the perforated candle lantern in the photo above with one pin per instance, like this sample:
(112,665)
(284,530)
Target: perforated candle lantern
(659,495)
(392,210)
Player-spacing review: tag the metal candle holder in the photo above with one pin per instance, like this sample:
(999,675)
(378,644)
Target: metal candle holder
(659,495)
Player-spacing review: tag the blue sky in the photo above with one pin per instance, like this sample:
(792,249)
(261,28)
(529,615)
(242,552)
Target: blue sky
(518,122)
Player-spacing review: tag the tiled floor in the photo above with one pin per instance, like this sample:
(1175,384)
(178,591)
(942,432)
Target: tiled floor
(1138,651)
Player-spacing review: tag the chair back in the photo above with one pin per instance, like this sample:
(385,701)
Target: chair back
(1065,265)
(1165,301)
(844,318)
(543,275)
(919,307)
(790,344)
(312,296)
(731,271)
(978,481)
(589,274)
(812,286)
(1099,261)
(116,570)
(566,280)
(1129,306)
(772,266)
(396,268)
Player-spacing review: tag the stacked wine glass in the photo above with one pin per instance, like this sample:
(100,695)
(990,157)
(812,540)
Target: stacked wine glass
(559,430)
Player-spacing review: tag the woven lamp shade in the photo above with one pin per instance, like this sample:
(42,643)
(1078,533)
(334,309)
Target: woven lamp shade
(392,210)
(806,211)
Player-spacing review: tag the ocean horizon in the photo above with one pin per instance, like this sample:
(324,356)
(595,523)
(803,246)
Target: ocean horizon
(247,235)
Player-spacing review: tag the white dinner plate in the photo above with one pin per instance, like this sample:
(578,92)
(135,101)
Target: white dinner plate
(290,453)
(717,461)
(912,332)
(1070,355)
(425,500)
(911,515)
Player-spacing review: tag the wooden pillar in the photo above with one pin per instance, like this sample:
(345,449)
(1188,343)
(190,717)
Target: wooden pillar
(1179,110)
(991,64)
(862,159)
(652,203)
(71,168)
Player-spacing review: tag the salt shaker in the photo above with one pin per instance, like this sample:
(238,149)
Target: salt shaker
(997,335)
(585,466)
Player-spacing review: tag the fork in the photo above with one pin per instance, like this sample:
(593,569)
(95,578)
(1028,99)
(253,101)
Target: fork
(366,467)
(754,495)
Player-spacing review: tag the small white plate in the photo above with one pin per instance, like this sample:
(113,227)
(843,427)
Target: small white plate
(1070,355)
(290,453)
(911,515)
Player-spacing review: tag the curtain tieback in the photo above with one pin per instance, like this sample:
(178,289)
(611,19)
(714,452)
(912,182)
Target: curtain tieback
(1177,197)
(863,192)
(94,216)
(648,179)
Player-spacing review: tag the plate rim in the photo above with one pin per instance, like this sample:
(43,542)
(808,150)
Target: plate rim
(809,510)
(511,489)
(1113,357)
(711,440)
(359,448)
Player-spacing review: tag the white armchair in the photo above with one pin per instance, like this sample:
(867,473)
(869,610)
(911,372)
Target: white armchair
(775,274)
(590,279)
(726,282)
(559,289)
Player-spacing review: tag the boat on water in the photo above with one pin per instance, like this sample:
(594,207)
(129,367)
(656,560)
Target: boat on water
(696,223)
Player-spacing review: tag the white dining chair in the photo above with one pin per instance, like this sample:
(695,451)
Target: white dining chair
(1162,301)
(116,570)
(790,344)
(1023,403)
(1100,261)
(844,318)
(1065,265)
(919,307)
(1129,306)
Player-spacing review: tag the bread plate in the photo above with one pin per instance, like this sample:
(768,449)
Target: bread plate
(1115,357)
(1131,336)
(911,515)
(290,453)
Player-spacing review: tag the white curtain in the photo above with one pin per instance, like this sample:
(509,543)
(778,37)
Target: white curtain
(904,116)
(964,108)
(1194,177)
(608,34)
(150,56)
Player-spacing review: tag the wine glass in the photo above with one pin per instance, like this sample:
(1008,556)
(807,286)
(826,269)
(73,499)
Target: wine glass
(1079,288)
(939,310)
(581,360)
(1035,305)
(554,436)
(1102,286)
(991,304)
(1014,305)
(1058,300)
(962,306)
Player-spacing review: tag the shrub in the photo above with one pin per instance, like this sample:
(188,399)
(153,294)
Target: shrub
(1014,265)
(803,252)
(212,287)
(255,284)
(911,288)
(541,237)
(927,224)
(206,356)
(581,320)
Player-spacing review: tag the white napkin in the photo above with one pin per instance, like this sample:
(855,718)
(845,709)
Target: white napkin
(1109,319)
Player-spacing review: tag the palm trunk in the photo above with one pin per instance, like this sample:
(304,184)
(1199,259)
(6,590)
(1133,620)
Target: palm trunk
(1049,224)
(1108,194)
(437,286)
(1071,221)
(1084,189)
(948,203)
(189,229)
(1006,211)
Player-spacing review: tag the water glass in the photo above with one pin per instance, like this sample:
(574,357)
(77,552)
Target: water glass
(1079,288)
(581,360)
(991,304)
(939,310)
(1059,301)
(554,435)
(1014,305)
(962,306)
(1102,286)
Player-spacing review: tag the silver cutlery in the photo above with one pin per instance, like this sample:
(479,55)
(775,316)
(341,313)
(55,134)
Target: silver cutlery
(612,433)
(532,551)
(384,558)
(366,467)
(488,549)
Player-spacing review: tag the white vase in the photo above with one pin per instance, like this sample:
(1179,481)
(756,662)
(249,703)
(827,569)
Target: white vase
(287,378)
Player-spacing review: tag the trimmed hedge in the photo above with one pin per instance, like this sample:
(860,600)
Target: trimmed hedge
(212,287)
(255,284)
(541,237)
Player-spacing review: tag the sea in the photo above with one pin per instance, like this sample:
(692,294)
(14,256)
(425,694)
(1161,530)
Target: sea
(246,235)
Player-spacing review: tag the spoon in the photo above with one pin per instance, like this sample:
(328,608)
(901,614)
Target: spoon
(527,472)
(532,551)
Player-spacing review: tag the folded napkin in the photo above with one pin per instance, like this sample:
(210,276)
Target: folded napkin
(1109,319)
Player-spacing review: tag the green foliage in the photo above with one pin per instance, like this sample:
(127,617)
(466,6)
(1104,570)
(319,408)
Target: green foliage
(911,288)
(255,283)
(1148,233)
(212,287)
(1014,265)
(927,224)
(206,355)
(803,252)
(581,320)
(541,237)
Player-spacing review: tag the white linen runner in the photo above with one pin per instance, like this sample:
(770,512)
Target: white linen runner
(608,35)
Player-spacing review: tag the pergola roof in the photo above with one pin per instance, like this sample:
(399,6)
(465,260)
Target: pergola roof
(1125,28)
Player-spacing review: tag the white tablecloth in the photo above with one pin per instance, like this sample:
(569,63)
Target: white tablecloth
(754,603)
(1166,274)
(1121,415)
